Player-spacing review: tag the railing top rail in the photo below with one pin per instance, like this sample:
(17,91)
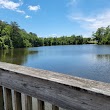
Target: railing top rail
(82,83)
(59,89)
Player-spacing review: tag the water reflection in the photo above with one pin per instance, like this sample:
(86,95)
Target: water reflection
(88,61)
(103,57)
(15,56)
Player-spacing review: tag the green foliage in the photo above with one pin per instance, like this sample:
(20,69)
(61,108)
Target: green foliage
(102,35)
(64,40)
(11,36)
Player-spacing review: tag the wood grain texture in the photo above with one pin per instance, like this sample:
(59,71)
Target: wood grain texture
(16,100)
(1,98)
(41,105)
(64,91)
(7,99)
(28,102)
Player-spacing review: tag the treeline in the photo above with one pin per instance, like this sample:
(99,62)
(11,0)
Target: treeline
(11,36)
(66,40)
(102,35)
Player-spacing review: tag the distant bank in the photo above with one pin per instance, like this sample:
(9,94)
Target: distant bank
(12,36)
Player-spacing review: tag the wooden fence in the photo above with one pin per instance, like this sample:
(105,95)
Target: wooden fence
(68,92)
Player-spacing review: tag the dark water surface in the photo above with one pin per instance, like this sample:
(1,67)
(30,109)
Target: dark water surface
(88,61)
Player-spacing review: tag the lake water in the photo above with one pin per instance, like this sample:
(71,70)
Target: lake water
(87,61)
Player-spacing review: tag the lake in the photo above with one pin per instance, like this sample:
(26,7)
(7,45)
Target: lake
(87,61)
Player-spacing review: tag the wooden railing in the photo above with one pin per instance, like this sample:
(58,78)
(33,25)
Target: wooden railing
(68,92)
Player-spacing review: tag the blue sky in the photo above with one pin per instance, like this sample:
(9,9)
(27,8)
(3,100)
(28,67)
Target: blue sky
(57,17)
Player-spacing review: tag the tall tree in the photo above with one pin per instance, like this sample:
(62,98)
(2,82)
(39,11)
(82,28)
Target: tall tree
(15,35)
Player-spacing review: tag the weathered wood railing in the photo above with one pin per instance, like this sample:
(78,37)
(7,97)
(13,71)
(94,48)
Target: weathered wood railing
(60,90)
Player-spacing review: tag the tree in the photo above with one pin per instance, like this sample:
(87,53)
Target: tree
(15,35)
(99,35)
(11,36)
(102,35)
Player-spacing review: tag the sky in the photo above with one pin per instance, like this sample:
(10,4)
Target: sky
(57,17)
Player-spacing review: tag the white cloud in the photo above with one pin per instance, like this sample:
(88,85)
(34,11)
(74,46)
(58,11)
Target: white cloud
(9,4)
(34,8)
(20,11)
(27,16)
(93,22)
(53,35)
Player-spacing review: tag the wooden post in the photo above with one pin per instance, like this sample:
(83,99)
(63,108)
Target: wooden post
(55,107)
(16,99)
(7,99)
(28,102)
(1,98)
(41,105)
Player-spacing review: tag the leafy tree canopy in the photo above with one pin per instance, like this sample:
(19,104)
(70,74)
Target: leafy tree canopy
(11,36)
(102,35)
